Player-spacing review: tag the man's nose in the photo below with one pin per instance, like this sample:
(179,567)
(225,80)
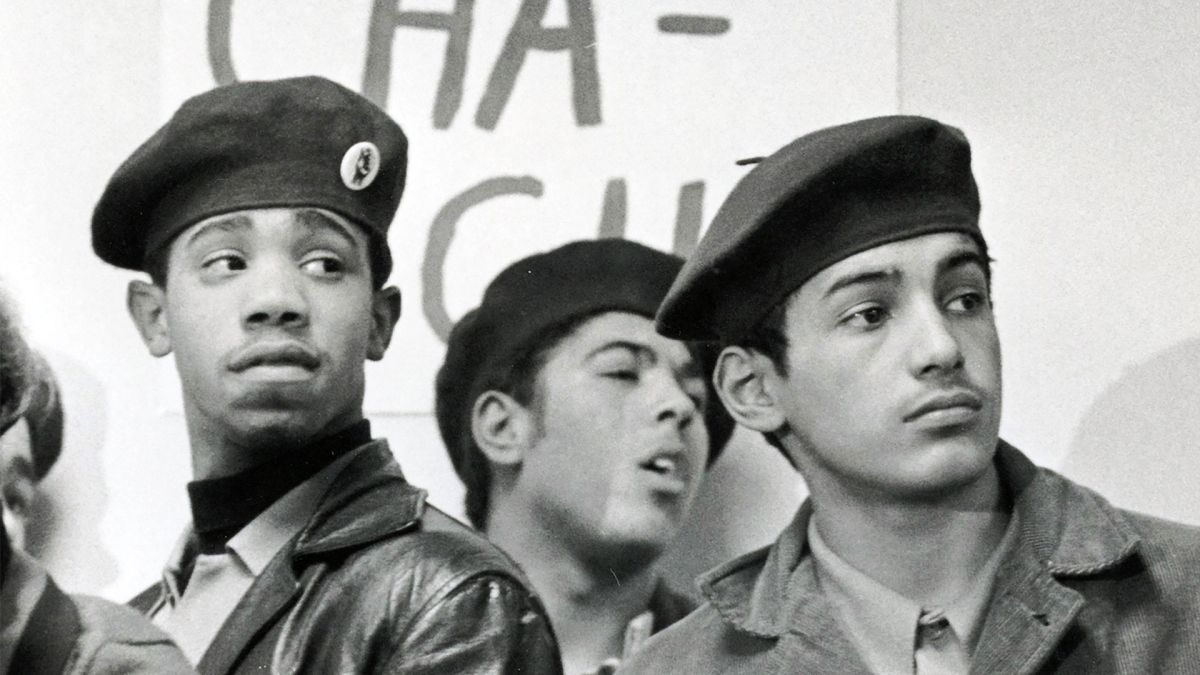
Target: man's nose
(671,400)
(935,348)
(276,297)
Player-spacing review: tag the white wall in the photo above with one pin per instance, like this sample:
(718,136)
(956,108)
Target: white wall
(81,89)
(1081,120)
(1084,117)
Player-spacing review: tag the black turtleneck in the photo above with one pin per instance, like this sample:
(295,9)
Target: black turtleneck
(222,506)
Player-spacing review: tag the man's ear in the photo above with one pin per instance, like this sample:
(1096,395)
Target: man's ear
(18,481)
(503,428)
(147,305)
(740,378)
(385,312)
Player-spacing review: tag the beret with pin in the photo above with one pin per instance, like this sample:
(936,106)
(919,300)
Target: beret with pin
(540,292)
(298,142)
(818,200)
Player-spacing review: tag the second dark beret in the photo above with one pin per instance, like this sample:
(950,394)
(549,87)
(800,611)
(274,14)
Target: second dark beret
(544,290)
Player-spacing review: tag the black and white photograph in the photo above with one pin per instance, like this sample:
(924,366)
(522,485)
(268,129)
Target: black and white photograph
(586,336)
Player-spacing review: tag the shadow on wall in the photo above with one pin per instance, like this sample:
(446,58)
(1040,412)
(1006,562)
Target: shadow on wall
(749,496)
(64,530)
(1137,444)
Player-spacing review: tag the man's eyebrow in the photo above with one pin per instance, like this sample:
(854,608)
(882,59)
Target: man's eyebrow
(636,348)
(961,258)
(690,369)
(317,221)
(865,277)
(232,224)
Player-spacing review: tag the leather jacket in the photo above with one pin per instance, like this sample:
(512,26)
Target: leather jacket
(380,582)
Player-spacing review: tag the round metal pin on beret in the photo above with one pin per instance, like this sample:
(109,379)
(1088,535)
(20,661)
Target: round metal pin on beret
(360,165)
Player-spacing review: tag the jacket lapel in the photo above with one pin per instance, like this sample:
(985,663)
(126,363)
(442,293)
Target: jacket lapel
(824,647)
(1067,532)
(369,500)
(265,603)
(1029,613)
(778,596)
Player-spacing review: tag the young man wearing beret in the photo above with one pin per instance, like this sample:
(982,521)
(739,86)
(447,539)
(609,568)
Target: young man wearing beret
(260,211)
(848,277)
(582,436)
(44,631)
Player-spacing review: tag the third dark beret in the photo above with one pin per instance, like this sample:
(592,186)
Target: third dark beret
(820,199)
(545,290)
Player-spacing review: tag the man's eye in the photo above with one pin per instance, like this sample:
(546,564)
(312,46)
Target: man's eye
(624,374)
(224,262)
(967,303)
(867,317)
(323,266)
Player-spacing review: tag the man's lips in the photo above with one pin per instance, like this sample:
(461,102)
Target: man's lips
(962,399)
(289,353)
(669,462)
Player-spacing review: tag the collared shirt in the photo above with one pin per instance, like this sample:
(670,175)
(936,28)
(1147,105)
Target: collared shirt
(637,631)
(665,608)
(194,615)
(892,633)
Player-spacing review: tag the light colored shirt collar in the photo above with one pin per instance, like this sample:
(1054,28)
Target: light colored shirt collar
(968,611)
(260,540)
(637,631)
(883,623)
(256,544)
(879,621)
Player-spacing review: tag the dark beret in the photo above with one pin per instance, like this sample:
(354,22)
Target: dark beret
(820,199)
(300,142)
(546,290)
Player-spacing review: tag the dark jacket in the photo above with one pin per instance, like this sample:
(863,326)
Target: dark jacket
(1087,588)
(669,606)
(379,582)
(64,634)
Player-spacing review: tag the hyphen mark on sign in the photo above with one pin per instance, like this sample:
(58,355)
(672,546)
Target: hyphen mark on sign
(691,24)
